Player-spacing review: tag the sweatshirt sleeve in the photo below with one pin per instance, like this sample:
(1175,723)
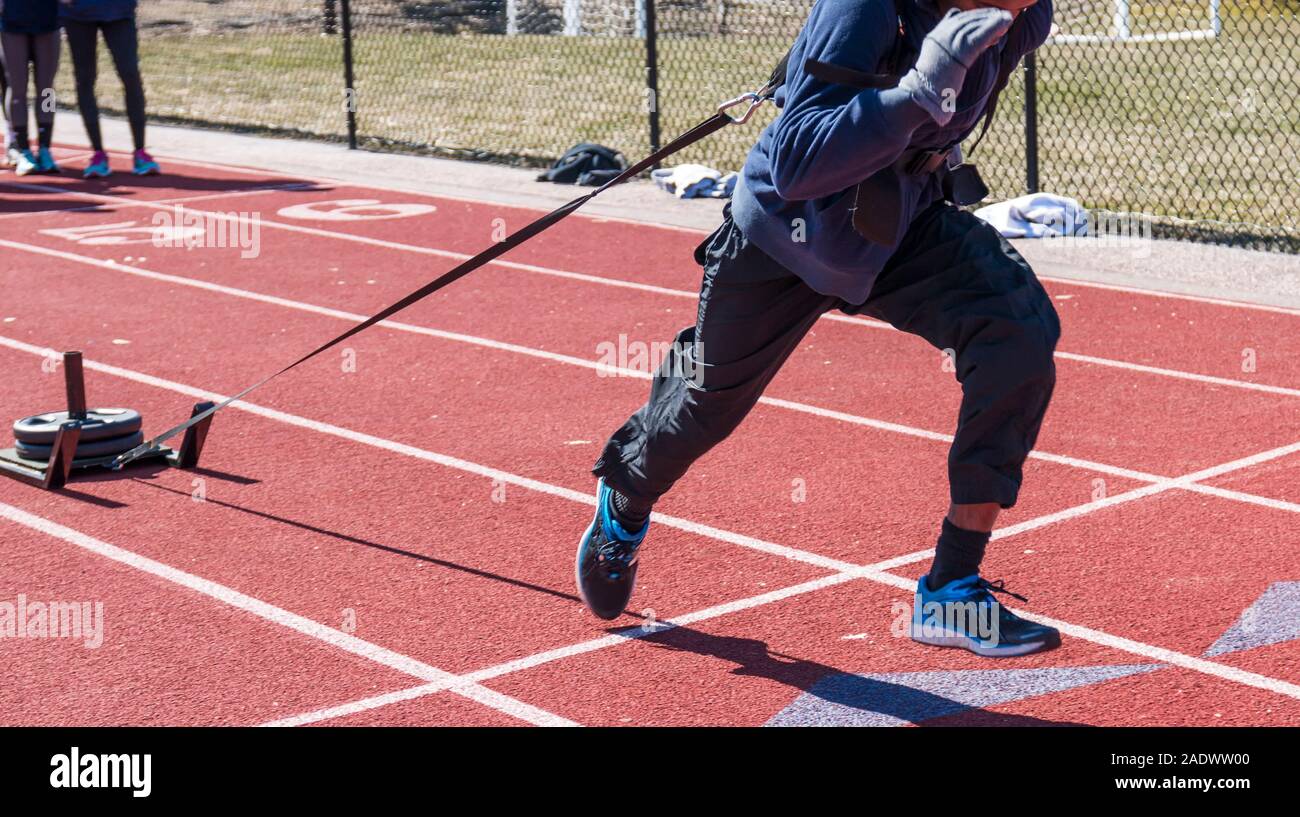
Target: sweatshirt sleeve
(830,137)
(1033,30)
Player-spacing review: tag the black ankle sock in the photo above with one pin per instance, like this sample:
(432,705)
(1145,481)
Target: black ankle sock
(958,553)
(631,513)
(20,138)
(44,134)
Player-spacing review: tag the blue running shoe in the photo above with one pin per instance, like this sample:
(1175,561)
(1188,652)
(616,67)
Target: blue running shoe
(45,161)
(607,556)
(142,164)
(98,167)
(963,613)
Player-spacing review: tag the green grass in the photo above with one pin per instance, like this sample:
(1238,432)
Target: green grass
(1201,130)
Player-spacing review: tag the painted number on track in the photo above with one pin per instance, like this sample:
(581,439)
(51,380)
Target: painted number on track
(353,210)
(130,232)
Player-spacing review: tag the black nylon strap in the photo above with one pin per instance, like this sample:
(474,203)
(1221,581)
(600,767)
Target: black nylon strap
(703,129)
(778,76)
(833,74)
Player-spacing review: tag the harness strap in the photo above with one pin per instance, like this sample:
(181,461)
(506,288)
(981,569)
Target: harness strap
(850,77)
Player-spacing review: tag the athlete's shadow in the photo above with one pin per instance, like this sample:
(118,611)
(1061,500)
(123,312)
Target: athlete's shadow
(833,696)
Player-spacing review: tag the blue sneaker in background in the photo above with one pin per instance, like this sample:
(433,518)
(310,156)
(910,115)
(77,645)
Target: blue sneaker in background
(98,167)
(45,161)
(142,164)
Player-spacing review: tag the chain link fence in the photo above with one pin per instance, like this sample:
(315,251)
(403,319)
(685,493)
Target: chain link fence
(1185,112)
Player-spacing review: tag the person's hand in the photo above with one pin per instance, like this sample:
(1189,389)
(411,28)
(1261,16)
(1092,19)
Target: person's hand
(948,51)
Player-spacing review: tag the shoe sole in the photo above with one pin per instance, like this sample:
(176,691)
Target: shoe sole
(964,642)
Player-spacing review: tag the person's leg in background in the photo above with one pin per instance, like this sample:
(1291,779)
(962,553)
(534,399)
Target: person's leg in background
(83,46)
(123,44)
(958,284)
(5,161)
(16,49)
(45,60)
(752,314)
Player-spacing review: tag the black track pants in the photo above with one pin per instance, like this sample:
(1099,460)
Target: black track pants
(41,51)
(120,37)
(953,281)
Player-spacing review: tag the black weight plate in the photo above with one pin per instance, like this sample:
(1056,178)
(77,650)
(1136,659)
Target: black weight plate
(100,424)
(85,448)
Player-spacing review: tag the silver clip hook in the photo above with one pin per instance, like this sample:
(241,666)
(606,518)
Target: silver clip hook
(755,100)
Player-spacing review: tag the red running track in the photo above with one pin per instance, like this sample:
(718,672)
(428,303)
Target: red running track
(385,536)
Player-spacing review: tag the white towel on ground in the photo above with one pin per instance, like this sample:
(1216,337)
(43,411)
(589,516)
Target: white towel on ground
(1037,215)
(692,181)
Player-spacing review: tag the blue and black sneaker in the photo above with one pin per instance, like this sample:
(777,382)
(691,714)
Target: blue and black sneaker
(606,563)
(963,613)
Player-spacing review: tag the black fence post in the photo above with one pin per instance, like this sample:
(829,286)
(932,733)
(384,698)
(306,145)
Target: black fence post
(349,88)
(652,73)
(1031,122)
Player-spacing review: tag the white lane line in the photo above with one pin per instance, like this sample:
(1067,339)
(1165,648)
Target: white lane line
(1178,296)
(1164,483)
(441,459)
(1187,482)
(548,656)
(587,216)
(877,572)
(153,203)
(870,572)
(358,706)
(830,414)
(1201,665)
(1181,375)
(791,405)
(284,618)
(467,199)
(1253,499)
(1225,671)
(659,290)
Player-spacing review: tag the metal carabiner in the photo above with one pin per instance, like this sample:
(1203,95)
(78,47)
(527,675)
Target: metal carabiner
(755,100)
